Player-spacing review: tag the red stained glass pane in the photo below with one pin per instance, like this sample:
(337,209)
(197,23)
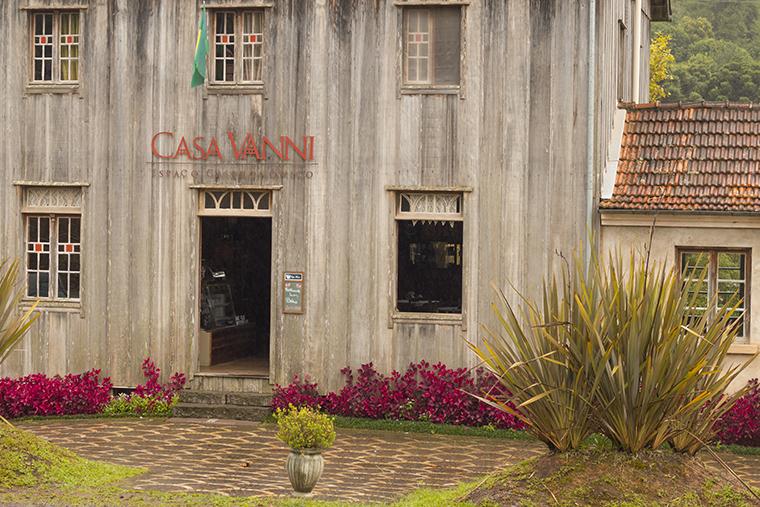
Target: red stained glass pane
(69,248)
(37,247)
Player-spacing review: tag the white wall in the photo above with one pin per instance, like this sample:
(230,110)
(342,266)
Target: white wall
(620,231)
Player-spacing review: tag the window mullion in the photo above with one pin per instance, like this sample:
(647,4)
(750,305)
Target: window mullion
(238,67)
(53,261)
(56,63)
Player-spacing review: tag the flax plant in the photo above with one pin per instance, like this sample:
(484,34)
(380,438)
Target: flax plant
(665,368)
(551,369)
(616,348)
(13,323)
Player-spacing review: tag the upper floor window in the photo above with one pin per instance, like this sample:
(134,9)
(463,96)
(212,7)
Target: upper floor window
(432,45)
(726,277)
(238,48)
(55,39)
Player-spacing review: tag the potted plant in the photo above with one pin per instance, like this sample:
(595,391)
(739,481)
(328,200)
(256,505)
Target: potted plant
(307,432)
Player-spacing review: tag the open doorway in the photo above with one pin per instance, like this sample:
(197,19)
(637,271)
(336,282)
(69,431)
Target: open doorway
(236,267)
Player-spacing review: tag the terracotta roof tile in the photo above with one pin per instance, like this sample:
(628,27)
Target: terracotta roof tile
(689,157)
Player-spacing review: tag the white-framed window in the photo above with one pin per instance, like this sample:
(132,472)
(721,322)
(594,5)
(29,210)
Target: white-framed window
(430,250)
(726,277)
(55,38)
(238,47)
(53,256)
(432,45)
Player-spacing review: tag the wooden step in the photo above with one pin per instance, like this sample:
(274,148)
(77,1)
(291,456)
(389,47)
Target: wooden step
(195,396)
(208,411)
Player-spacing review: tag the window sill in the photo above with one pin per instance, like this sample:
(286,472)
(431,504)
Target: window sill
(50,305)
(744,348)
(52,88)
(428,318)
(430,89)
(246,89)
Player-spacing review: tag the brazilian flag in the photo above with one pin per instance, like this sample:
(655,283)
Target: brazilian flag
(201,50)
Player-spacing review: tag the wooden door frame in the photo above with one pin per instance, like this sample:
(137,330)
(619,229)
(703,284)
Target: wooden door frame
(271,215)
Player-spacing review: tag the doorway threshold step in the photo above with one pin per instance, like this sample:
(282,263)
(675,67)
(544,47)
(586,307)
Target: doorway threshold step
(209,411)
(193,396)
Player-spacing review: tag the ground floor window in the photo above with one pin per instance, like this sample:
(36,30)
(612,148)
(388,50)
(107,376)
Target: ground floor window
(53,256)
(726,276)
(430,235)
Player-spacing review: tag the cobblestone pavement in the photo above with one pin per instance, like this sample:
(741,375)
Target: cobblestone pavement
(245,458)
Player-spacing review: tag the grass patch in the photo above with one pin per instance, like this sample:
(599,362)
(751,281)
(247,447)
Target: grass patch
(600,477)
(30,461)
(108,496)
(425,427)
(737,449)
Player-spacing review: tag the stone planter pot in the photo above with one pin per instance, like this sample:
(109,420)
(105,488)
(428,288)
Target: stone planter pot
(304,468)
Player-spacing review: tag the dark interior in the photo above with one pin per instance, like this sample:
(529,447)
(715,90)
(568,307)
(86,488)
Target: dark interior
(429,267)
(236,263)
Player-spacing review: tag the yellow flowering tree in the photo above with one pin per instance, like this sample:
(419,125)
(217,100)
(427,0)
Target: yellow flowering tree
(661,62)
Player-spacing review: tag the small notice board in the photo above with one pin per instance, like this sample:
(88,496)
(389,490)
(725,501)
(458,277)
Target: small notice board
(292,292)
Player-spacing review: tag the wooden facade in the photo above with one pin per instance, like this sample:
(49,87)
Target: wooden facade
(511,139)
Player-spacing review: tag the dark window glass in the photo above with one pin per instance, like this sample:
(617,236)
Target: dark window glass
(429,267)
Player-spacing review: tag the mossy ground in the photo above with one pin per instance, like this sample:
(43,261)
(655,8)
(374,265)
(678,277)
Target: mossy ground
(603,477)
(27,460)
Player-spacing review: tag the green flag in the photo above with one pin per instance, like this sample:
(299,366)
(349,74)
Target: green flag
(201,50)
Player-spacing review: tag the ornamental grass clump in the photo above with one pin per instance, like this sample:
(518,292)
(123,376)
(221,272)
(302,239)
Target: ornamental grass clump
(618,349)
(550,363)
(13,324)
(304,428)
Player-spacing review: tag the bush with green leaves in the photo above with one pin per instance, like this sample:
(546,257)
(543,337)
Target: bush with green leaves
(304,428)
(149,406)
(616,348)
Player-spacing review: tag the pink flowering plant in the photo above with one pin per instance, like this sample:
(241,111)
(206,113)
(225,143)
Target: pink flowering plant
(40,395)
(741,424)
(151,398)
(423,392)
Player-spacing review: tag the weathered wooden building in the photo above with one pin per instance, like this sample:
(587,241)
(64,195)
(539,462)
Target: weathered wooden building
(344,188)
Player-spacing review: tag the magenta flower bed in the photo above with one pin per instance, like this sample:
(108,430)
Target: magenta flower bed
(741,424)
(39,394)
(152,388)
(423,392)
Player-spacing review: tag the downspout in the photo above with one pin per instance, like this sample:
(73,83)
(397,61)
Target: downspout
(590,129)
(637,53)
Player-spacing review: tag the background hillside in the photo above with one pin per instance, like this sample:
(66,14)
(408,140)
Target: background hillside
(716,44)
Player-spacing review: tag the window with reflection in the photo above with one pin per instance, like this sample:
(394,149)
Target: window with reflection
(718,276)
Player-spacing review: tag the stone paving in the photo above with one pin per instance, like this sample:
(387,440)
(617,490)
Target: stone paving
(245,458)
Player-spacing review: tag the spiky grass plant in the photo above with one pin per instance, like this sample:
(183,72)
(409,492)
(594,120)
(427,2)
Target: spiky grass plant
(13,323)
(666,365)
(551,366)
(615,349)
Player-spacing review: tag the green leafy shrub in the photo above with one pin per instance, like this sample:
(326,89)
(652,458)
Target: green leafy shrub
(304,428)
(152,406)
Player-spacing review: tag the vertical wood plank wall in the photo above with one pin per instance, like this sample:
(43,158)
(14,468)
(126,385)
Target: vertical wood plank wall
(517,137)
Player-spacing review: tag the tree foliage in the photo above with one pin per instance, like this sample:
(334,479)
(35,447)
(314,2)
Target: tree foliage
(716,46)
(661,62)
